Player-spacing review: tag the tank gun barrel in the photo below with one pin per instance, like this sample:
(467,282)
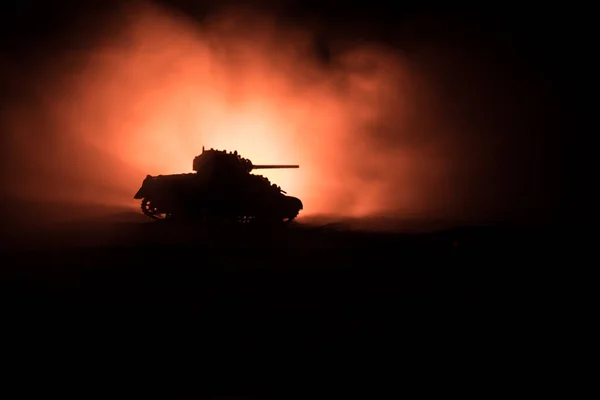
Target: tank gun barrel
(274,166)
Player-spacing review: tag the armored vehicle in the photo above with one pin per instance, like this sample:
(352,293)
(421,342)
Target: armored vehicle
(221,188)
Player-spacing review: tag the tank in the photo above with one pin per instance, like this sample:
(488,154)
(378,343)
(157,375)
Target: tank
(222,187)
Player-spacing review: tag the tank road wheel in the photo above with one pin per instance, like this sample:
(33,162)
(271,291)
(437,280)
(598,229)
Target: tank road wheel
(246,219)
(153,212)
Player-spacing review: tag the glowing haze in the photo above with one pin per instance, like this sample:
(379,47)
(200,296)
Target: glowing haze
(147,97)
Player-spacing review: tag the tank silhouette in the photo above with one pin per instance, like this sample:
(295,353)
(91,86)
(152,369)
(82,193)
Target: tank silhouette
(221,188)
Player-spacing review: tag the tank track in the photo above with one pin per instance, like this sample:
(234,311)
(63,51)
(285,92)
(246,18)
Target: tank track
(153,213)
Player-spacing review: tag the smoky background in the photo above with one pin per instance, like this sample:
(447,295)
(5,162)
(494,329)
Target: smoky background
(435,117)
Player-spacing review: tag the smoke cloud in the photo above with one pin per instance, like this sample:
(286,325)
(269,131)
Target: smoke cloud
(375,131)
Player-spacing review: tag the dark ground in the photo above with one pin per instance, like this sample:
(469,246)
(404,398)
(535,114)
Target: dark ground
(247,305)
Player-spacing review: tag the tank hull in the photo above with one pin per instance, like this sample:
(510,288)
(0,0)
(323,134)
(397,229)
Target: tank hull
(192,197)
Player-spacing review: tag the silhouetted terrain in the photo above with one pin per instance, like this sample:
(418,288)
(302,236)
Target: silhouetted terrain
(122,260)
(238,302)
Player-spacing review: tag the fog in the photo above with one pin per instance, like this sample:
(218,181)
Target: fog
(434,132)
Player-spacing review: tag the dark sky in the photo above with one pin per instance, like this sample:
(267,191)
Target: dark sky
(544,49)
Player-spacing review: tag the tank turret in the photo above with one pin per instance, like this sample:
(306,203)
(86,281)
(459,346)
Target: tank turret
(230,162)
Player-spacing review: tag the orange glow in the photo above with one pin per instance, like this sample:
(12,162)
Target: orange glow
(151,95)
